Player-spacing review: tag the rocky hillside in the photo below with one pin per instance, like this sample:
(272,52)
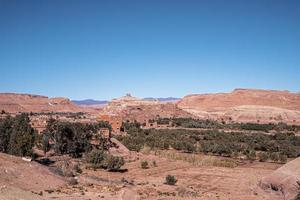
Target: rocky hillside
(133,108)
(13,103)
(246,105)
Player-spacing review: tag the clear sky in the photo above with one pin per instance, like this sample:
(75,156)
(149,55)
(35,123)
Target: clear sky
(158,48)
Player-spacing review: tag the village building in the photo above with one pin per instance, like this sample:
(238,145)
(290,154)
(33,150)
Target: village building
(113,120)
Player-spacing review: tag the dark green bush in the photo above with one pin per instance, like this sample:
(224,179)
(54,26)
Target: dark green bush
(170,180)
(17,137)
(100,159)
(112,163)
(95,158)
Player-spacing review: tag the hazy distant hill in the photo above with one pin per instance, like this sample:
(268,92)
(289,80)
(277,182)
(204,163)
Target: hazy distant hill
(92,102)
(167,99)
(89,102)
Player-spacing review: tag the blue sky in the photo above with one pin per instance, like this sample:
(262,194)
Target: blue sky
(159,48)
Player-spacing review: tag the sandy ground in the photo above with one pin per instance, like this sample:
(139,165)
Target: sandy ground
(205,182)
(194,182)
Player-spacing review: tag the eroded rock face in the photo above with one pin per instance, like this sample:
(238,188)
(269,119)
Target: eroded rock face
(284,180)
(245,105)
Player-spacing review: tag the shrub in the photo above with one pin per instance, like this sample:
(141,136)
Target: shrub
(100,159)
(22,136)
(262,156)
(144,164)
(72,181)
(251,155)
(274,156)
(282,158)
(95,158)
(112,163)
(170,180)
(154,163)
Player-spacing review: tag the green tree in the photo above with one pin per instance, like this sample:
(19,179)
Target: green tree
(22,137)
(5,133)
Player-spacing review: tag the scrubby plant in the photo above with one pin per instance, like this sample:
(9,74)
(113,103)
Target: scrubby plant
(274,156)
(282,158)
(100,159)
(251,155)
(112,163)
(144,164)
(170,180)
(154,163)
(95,158)
(72,181)
(262,156)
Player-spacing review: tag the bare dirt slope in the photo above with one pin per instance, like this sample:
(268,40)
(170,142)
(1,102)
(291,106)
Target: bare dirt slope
(23,180)
(13,103)
(194,182)
(245,105)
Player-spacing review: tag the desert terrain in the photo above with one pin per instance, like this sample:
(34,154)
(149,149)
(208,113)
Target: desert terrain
(242,145)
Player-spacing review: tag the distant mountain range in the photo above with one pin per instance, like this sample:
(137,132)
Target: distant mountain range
(167,99)
(89,102)
(92,102)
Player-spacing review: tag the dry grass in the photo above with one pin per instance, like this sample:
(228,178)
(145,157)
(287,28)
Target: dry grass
(196,159)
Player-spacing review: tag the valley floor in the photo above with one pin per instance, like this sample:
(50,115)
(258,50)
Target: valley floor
(205,182)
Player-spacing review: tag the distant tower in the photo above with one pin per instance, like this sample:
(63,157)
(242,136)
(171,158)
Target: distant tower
(128,95)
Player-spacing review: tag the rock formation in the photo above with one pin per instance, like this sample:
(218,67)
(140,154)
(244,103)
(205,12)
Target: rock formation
(245,105)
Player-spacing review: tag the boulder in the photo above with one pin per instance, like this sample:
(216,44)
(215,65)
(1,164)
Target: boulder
(284,180)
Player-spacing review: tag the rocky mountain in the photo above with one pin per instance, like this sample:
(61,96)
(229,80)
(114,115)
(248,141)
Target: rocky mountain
(245,105)
(14,103)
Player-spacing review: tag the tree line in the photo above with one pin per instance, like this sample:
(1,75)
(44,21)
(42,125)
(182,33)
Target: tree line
(262,147)
(17,137)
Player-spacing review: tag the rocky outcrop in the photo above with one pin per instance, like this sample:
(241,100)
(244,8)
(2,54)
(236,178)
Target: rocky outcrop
(284,180)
